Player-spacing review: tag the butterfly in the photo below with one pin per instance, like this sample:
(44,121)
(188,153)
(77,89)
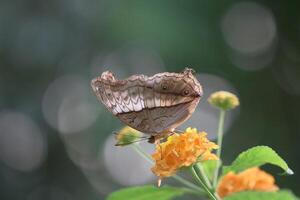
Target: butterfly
(154,105)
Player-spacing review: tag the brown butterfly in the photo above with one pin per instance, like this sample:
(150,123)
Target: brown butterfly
(154,105)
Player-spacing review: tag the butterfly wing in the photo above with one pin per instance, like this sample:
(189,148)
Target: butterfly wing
(124,98)
(168,106)
(149,104)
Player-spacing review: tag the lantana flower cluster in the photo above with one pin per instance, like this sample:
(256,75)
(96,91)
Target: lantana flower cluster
(182,150)
(253,179)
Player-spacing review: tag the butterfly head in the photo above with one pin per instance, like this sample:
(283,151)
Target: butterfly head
(108,75)
(192,81)
(184,84)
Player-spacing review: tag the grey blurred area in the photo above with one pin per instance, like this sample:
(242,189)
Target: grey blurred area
(56,139)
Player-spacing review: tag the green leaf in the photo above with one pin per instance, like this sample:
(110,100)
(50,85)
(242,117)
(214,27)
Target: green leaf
(209,167)
(251,195)
(256,157)
(147,192)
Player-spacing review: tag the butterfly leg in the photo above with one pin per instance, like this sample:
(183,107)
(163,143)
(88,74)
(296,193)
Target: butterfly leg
(179,131)
(172,133)
(154,139)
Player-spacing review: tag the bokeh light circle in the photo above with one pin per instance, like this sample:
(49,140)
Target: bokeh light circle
(76,114)
(249,27)
(22,144)
(124,164)
(66,105)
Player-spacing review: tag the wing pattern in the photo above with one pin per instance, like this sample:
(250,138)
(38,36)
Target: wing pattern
(149,104)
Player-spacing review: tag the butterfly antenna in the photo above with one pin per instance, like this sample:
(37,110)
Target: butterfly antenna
(128,143)
(144,137)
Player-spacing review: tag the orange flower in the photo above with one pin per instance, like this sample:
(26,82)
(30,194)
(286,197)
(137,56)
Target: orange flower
(182,150)
(250,179)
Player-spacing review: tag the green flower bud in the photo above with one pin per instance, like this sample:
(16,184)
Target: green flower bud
(223,100)
(127,136)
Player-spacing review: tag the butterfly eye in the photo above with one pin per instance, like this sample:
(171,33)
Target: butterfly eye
(186,92)
(164,86)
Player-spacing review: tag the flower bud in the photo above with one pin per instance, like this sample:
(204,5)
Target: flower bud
(127,136)
(223,100)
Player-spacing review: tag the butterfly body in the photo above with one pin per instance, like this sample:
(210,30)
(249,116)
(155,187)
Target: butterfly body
(153,105)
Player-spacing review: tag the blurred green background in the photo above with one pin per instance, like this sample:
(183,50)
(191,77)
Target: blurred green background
(56,140)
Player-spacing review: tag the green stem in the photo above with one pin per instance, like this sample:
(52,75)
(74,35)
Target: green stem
(185,182)
(202,174)
(198,179)
(188,183)
(138,149)
(219,150)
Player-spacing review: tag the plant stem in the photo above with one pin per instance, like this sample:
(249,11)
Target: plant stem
(202,174)
(219,150)
(185,182)
(208,192)
(138,149)
(188,183)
